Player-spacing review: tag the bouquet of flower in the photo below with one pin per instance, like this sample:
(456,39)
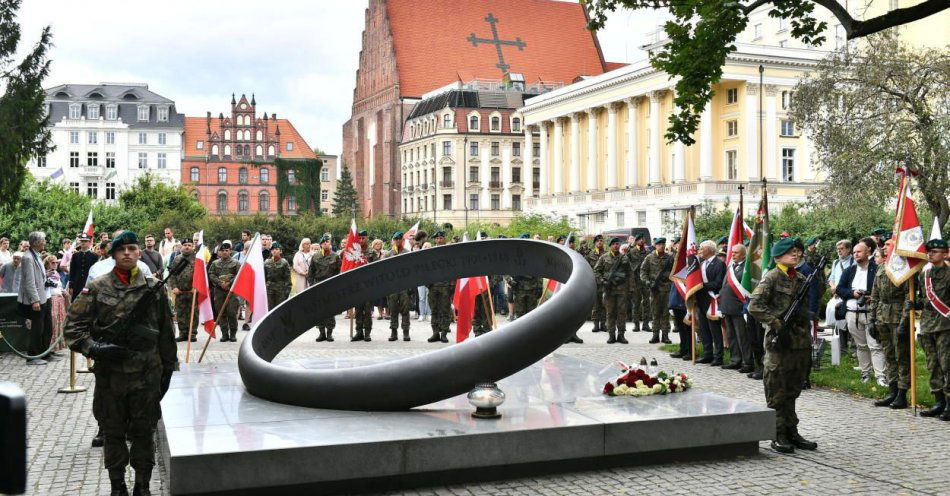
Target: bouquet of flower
(637,382)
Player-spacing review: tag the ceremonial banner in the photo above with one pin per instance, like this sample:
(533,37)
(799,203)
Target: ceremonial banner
(352,251)
(249,282)
(759,255)
(410,234)
(199,281)
(686,264)
(89,228)
(736,237)
(897,266)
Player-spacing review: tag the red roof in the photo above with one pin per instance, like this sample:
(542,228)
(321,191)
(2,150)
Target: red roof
(196,129)
(439,41)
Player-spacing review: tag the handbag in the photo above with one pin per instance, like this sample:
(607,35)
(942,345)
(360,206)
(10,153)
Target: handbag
(841,310)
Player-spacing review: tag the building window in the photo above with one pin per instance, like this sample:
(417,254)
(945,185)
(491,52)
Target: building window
(292,204)
(92,137)
(143,160)
(473,174)
(290,146)
(143,138)
(516,203)
(162,114)
(495,148)
(74,187)
(446,202)
(195,175)
(214,151)
(258,150)
(110,191)
(496,202)
(270,151)
(222,201)
(143,112)
(641,218)
(75,111)
(536,150)
(786,100)
(473,149)
(92,111)
(516,174)
(473,123)
(496,176)
(162,138)
(263,201)
(732,128)
(227,150)
(788,128)
(259,135)
(199,145)
(110,137)
(732,165)
(782,24)
(447,121)
(74,159)
(41,161)
(788,164)
(222,175)
(446,148)
(242,201)
(496,123)
(92,190)
(291,176)
(162,160)
(324,195)
(265,175)
(242,175)
(227,134)
(516,149)
(238,149)
(536,178)
(473,201)
(112,112)
(732,95)
(92,159)
(325,177)
(516,125)
(74,137)
(758,32)
(619,218)
(110,160)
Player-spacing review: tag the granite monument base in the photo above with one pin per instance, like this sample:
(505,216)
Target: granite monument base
(218,439)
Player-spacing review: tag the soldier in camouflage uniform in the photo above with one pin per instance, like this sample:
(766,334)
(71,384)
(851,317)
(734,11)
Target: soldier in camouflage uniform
(812,256)
(364,311)
(639,293)
(221,274)
(787,346)
(597,314)
(324,264)
(884,315)
(655,275)
(482,320)
(440,301)
(398,302)
(612,272)
(933,300)
(182,289)
(277,276)
(135,356)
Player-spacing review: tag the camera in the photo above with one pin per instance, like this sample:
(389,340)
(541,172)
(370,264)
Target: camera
(49,283)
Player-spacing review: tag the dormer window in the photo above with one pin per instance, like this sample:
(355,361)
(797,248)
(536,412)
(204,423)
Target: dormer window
(496,124)
(143,113)
(447,121)
(112,112)
(162,114)
(290,146)
(516,125)
(75,110)
(473,123)
(92,111)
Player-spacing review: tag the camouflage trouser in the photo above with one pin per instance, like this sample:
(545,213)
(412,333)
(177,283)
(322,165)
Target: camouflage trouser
(440,302)
(126,406)
(275,298)
(937,348)
(524,301)
(784,376)
(398,304)
(639,302)
(182,312)
(364,317)
(481,320)
(658,309)
(598,313)
(615,304)
(896,355)
(228,319)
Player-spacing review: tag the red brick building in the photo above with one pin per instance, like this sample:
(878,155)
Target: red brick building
(411,47)
(228,161)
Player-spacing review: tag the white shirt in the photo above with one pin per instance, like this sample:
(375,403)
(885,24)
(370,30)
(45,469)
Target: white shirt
(5,257)
(105,266)
(860,282)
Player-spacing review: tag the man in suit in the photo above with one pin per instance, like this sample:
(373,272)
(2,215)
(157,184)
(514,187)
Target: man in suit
(33,294)
(854,288)
(83,259)
(710,330)
(733,306)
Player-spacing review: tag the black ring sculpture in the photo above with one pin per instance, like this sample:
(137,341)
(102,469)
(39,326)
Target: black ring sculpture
(436,375)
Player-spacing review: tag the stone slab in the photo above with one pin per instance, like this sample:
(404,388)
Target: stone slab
(217,438)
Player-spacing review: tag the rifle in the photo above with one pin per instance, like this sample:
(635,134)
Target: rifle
(780,339)
(609,282)
(667,267)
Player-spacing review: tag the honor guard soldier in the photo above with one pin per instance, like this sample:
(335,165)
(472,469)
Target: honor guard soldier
(221,274)
(180,283)
(639,293)
(597,314)
(123,321)
(440,301)
(364,311)
(933,300)
(612,271)
(885,308)
(324,264)
(277,276)
(655,276)
(787,344)
(812,256)
(397,302)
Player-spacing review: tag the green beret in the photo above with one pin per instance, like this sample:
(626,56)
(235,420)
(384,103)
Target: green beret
(659,241)
(675,239)
(275,245)
(812,240)
(325,238)
(798,243)
(560,239)
(722,240)
(638,236)
(363,233)
(225,245)
(525,236)
(482,234)
(187,241)
(878,232)
(598,238)
(888,235)
(124,238)
(614,240)
(936,244)
(782,247)
(438,234)
(397,235)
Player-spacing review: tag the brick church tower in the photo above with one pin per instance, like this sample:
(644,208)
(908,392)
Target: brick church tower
(411,47)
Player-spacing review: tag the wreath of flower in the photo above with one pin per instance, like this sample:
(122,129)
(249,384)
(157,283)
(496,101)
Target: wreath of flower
(636,382)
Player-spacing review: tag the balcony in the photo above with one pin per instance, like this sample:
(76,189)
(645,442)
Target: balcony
(424,186)
(494,184)
(92,171)
(447,183)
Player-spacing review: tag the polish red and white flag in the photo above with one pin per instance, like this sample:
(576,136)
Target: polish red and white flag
(89,228)
(353,255)
(736,238)
(408,236)
(899,266)
(466,289)
(199,281)
(249,282)
(686,265)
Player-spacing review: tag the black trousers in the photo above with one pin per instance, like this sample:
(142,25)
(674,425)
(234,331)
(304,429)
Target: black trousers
(685,332)
(757,341)
(41,329)
(710,333)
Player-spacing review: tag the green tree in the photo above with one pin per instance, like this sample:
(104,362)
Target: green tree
(703,32)
(345,201)
(873,110)
(149,193)
(22,104)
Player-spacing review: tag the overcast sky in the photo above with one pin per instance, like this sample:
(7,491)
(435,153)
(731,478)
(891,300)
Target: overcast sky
(298,56)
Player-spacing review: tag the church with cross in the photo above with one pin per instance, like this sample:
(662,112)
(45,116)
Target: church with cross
(412,49)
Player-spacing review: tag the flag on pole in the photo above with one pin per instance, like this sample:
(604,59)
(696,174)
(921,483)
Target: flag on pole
(736,237)
(686,265)
(466,289)
(759,255)
(898,266)
(408,236)
(89,228)
(352,251)
(935,231)
(199,281)
(553,286)
(58,174)
(249,282)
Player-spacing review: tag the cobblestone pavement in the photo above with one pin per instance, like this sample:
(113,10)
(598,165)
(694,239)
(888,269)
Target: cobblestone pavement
(862,449)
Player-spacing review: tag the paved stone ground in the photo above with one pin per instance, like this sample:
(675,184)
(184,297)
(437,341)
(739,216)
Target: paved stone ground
(862,449)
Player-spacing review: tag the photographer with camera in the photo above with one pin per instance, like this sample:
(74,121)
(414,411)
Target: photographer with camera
(854,288)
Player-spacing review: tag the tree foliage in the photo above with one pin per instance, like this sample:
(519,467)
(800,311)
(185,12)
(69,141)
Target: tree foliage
(305,188)
(23,132)
(871,111)
(703,32)
(345,201)
(149,192)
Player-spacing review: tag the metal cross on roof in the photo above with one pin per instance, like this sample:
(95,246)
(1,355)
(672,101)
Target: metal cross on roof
(490,19)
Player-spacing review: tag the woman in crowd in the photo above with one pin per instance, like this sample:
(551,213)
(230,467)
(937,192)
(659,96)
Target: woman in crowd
(57,297)
(302,265)
(382,313)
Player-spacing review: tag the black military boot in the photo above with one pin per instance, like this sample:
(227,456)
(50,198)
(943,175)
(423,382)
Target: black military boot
(358,336)
(646,326)
(142,477)
(597,326)
(366,337)
(656,337)
(329,335)
(443,336)
(939,406)
(98,440)
(783,445)
(323,335)
(181,338)
(945,416)
(620,338)
(117,480)
(224,336)
(891,396)
(393,334)
(900,402)
(666,337)
(636,326)
(434,338)
(575,339)
(802,443)
(611,338)
(405,334)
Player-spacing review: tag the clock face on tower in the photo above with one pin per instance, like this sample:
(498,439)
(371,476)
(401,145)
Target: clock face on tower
(243,105)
